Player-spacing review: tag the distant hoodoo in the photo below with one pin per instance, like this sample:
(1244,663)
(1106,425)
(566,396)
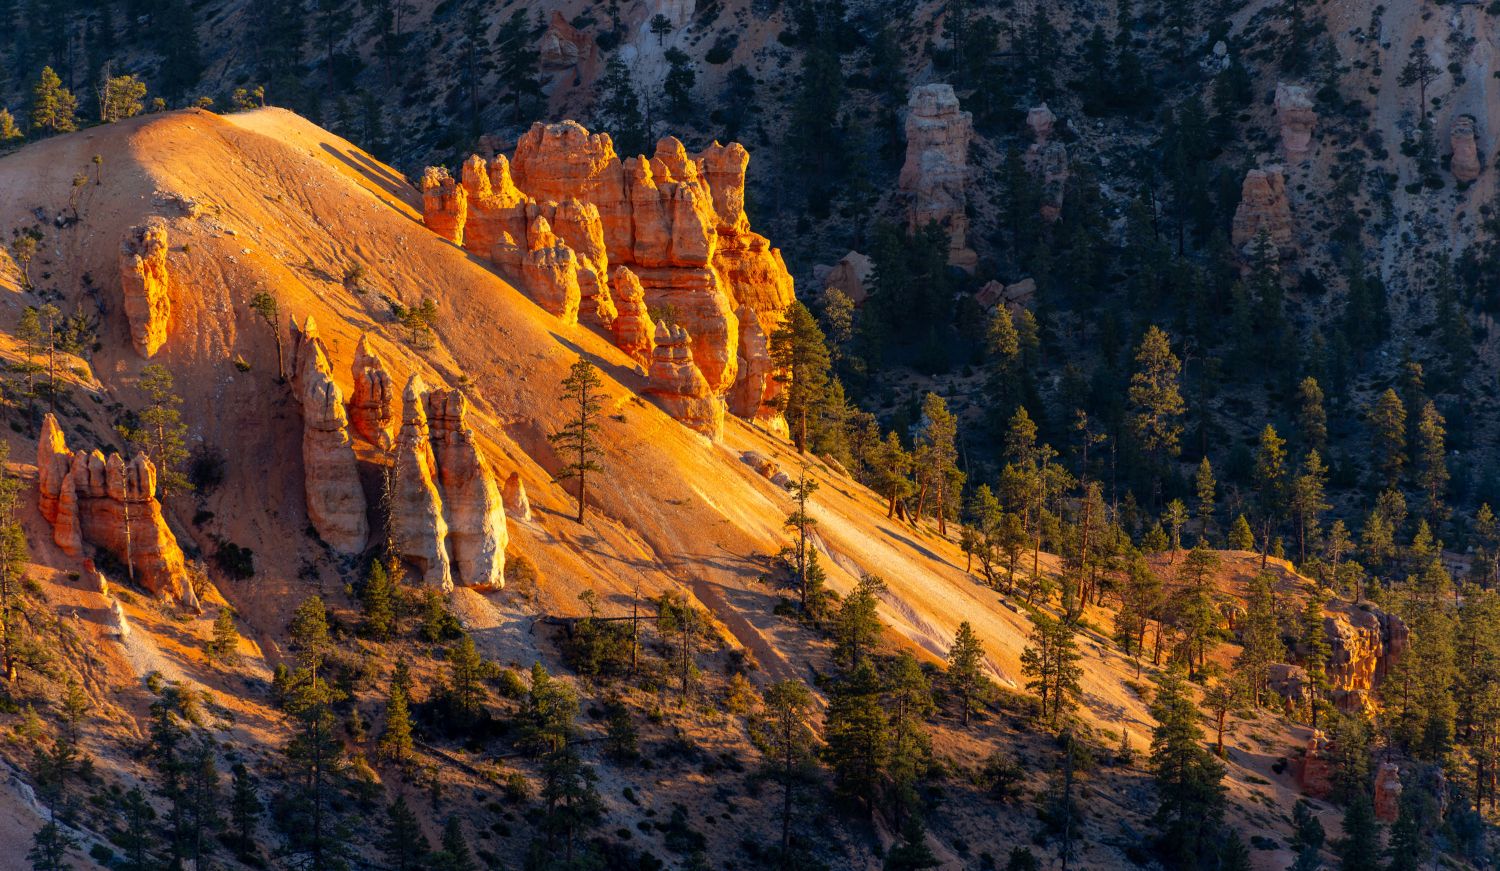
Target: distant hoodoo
(146,286)
(935,177)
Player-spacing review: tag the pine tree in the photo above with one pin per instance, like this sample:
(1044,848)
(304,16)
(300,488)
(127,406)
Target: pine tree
(857,624)
(402,843)
(1312,420)
(9,131)
(225,645)
(1262,639)
(1050,660)
(619,108)
(519,61)
(1432,461)
(966,668)
(160,431)
(804,554)
(1270,483)
(53,107)
(1156,401)
(121,98)
(578,440)
(1359,848)
(466,694)
(937,440)
(1388,436)
(267,309)
(1309,501)
(787,705)
(800,355)
(1314,643)
(908,699)
(244,808)
(856,733)
(378,598)
(1206,488)
(1190,792)
(678,85)
(455,854)
(396,743)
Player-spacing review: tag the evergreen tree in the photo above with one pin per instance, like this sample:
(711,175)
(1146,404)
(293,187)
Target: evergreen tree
(1263,647)
(857,623)
(1388,436)
(225,644)
(966,668)
(1312,419)
(1315,648)
(1432,461)
(619,108)
(455,854)
(53,107)
(800,355)
(267,309)
(402,843)
(465,692)
(937,445)
(787,705)
(856,732)
(378,598)
(1309,501)
(244,809)
(1359,848)
(679,83)
(1206,488)
(1050,660)
(1156,402)
(804,554)
(396,742)
(159,430)
(519,60)
(10,132)
(1190,792)
(578,440)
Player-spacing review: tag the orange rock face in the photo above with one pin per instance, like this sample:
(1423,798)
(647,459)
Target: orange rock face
(677,385)
(335,497)
(1315,768)
(633,331)
(146,286)
(1364,643)
(372,407)
(1263,208)
(564,46)
(445,205)
(417,524)
(110,504)
(471,498)
(1388,792)
(676,220)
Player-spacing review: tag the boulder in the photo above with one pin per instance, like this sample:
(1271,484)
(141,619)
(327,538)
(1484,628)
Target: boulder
(934,178)
(111,504)
(146,286)
(1013,296)
(445,204)
(1263,209)
(418,528)
(679,387)
(335,497)
(564,46)
(633,331)
(517,505)
(372,407)
(471,500)
(1465,163)
(1296,118)
(851,277)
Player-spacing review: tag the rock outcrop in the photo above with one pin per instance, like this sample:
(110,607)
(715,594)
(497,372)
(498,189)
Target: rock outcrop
(418,528)
(1364,644)
(633,331)
(517,505)
(935,176)
(850,276)
(471,499)
(445,204)
(564,46)
(1465,164)
(1315,768)
(110,504)
(1297,119)
(675,220)
(372,407)
(1047,159)
(1387,792)
(1013,296)
(1263,209)
(679,387)
(335,497)
(146,286)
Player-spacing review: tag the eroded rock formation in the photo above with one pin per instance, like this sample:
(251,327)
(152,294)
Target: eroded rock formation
(417,525)
(445,204)
(517,504)
(108,503)
(1364,643)
(1388,792)
(146,286)
(1297,119)
(564,46)
(935,176)
(676,220)
(633,331)
(1263,209)
(679,387)
(471,498)
(1465,163)
(850,276)
(372,407)
(1315,768)
(335,498)
(1047,159)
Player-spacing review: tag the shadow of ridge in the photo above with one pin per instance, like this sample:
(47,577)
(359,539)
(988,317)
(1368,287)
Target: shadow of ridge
(395,187)
(919,548)
(627,376)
